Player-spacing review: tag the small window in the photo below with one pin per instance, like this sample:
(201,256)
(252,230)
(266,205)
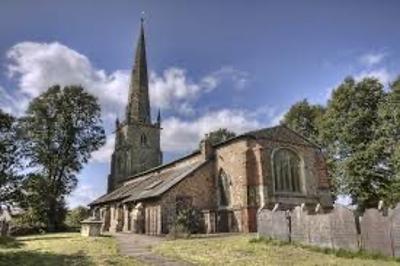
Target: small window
(287,174)
(143,140)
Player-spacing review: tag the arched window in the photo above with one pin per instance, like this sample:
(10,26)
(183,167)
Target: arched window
(224,183)
(287,174)
(143,140)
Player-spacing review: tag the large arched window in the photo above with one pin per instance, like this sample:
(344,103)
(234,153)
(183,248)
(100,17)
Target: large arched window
(224,183)
(287,171)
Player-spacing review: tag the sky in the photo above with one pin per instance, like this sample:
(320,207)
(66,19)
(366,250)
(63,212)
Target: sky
(233,64)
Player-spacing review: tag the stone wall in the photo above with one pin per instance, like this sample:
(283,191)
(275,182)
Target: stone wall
(198,186)
(379,230)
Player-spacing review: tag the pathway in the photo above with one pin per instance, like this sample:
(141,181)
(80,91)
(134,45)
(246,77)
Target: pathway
(140,247)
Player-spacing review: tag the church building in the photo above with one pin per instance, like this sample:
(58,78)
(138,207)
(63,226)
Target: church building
(228,183)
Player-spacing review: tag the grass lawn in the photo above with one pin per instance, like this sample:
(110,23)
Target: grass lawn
(239,250)
(61,249)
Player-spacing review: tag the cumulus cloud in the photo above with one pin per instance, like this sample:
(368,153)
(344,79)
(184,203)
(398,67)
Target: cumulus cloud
(181,135)
(37,66)
(370,59)
(174,90)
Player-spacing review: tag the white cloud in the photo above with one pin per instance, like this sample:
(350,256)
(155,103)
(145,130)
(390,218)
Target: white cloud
(382,74)
(83,195)
(36,66)
(104,153)
(370,59)
(181,135)
(174,90)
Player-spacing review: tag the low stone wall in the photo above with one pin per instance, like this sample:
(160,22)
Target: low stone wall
(379,230)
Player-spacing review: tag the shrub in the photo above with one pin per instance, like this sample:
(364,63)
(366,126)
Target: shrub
(187,221)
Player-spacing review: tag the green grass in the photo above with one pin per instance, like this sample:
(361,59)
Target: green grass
(245,250)
(61,249)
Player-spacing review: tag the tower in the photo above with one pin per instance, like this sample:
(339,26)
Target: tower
(137,139)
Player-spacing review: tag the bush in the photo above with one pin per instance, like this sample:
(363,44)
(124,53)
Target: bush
(188,221)
(26,223)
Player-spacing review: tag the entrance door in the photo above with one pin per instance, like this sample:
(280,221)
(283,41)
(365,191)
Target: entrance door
(223,221)
(153,220)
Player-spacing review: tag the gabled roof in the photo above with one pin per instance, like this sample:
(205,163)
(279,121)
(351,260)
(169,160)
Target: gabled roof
(277,133)
(150,186)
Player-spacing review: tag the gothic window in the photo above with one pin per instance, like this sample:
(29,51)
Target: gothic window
(143,140)
(224,183)
(287,174)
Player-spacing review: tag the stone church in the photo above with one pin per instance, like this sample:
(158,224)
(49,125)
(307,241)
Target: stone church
(227,183)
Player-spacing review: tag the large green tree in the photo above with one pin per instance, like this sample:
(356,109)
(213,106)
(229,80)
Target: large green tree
(62,127)
(9,160)
(357,132)
(305,119)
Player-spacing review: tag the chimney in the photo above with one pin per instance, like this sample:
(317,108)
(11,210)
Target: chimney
(207,149)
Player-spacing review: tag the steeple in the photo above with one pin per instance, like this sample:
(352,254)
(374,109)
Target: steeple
(138,109)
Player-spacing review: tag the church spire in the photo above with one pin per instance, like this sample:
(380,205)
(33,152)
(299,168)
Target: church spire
(138,108)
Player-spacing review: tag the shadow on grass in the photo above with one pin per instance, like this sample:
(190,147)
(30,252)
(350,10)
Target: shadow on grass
(341,253)
(9,242)
(44,238)
(32,258)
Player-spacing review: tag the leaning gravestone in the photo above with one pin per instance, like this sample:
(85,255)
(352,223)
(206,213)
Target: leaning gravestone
(375,232)
(273,224)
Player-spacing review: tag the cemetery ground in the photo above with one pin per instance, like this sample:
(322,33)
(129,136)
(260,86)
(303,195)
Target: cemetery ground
(72,249)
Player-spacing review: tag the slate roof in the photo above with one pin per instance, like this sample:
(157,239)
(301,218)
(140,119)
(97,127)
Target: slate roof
(150,186)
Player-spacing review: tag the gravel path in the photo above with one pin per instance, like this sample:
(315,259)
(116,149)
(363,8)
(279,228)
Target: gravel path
(140,247)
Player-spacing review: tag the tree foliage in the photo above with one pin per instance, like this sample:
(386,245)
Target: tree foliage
(76,215)
(359,130)
(305,118)
(62,127)
(220,135)
(9,160)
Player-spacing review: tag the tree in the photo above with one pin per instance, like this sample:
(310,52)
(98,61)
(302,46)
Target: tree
(220,135)
(9,160)
(76,215)
(358,139)
(305,119)
(62,127)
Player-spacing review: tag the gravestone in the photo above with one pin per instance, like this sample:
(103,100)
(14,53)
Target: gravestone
(375,232)
(273,224)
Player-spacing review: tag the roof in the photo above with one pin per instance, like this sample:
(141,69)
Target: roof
(279,133)
(150,186)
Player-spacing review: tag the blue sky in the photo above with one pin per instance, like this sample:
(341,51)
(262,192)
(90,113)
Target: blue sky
(235,64)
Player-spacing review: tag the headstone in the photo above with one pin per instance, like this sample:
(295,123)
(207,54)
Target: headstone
(375,232)
(273,224)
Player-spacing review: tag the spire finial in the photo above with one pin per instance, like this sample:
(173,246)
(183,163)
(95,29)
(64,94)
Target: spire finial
(142,17)
(159,117)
